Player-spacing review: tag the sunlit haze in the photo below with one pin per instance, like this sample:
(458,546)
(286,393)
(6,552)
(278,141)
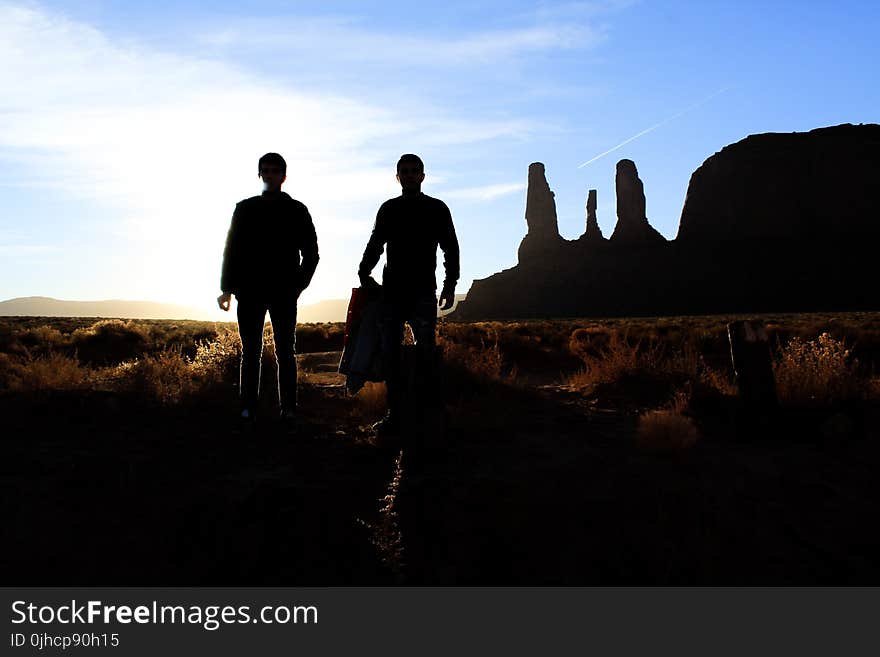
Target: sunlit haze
(129,133)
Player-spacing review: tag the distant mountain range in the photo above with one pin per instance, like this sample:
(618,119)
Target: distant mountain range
(48,307)
(331,310)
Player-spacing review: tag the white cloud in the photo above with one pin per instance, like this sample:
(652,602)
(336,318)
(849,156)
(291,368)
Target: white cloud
(487,192)
(168,143)
(346,39)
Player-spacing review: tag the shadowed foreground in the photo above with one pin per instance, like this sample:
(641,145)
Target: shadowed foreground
(545,479)
(101,490)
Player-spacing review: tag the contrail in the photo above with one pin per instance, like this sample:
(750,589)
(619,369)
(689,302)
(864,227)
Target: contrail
(654,127)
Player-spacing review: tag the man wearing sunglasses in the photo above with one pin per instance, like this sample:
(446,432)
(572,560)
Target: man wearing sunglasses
(270,257)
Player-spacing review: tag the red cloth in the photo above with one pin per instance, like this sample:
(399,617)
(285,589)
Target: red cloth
(360,298)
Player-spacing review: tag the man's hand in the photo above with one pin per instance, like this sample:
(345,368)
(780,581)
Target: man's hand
(447,298)
(369,282)
(223,300)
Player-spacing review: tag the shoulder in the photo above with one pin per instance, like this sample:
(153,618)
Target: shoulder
(298,207)
(295,206)
(439,206)
(246,203)
(434,201)
(389,206)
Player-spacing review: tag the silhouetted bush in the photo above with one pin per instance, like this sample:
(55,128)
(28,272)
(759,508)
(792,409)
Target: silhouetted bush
(319,337)
(819,373)
(645,371)
(42,339)
(668,429)
(370,401)
(166,377)
(217,359)
(53,371)
(645,360)
(110,341)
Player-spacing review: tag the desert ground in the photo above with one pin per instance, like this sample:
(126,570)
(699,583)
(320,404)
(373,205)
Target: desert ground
(561,452)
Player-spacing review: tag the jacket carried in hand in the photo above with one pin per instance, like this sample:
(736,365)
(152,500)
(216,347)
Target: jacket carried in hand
(271,248)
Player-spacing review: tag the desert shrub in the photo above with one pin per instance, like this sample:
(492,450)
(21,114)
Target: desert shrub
(42,339)
(472,373)
(319,337)
(6,366)
(166,377)
(667,429)
(483,362)
(370,401)
(588,341)
(614,360)
(716,379)
(9,343)
(644,370)
(818,372)
(52,371)
(217,359)
(184,336)
(110,341)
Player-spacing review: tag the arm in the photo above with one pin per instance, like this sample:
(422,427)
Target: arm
(375,247)
(230,260)
(309,250)
(451,259)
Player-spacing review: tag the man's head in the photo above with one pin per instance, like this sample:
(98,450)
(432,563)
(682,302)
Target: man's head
(273,170)
(410,172)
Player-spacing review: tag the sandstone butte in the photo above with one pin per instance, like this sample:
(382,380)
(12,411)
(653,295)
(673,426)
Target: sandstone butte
(772,223)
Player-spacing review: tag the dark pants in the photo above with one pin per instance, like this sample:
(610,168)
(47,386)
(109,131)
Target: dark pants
(251,317)
(420,311)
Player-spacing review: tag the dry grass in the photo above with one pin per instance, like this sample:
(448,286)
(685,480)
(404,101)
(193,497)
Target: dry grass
(167,377)
(483,361)
(170,377)
(649,370)
(819,373)
(370,401)
(42,338)
(611,360)
(218,359)
(715,379)
(667,430)
(825,360)
(110,341)
(53,371)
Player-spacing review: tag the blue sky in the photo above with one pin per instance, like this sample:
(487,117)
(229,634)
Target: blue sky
(130,130)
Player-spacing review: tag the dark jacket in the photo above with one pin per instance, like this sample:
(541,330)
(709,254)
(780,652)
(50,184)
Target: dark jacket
(362,348)
(412,227)
(271,248)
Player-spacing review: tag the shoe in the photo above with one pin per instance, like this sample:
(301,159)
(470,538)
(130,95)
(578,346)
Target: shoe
(246,421)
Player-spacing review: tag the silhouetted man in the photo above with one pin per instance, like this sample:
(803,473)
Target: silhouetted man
(411,225)
(270,257)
